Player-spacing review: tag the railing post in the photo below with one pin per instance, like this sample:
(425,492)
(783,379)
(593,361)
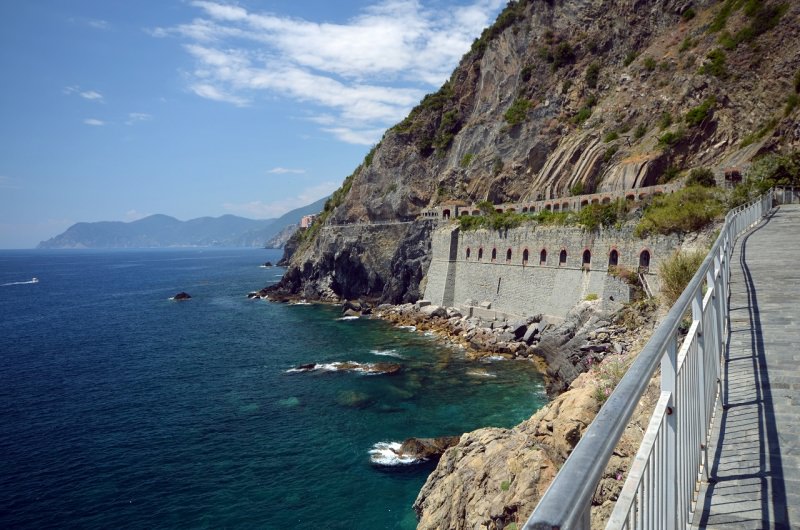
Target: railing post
(669,374)
(702,352)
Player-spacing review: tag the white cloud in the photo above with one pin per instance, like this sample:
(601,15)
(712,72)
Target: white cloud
(137,117)
(268,210)
(284,171)
(98,24)
(361,76)
(92,95)
(94,122)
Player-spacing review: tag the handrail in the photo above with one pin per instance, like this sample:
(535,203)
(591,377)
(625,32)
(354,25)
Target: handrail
(567,502)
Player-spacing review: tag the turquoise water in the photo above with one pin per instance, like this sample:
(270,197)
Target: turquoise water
(121,408)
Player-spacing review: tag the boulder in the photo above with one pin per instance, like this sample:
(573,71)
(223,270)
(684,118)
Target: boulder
(518,328)
(182,296)
(426,448)
(433,311)
(351,313)
(530,333)
(268,264)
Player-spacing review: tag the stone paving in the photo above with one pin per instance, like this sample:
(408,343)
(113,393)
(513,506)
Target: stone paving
(755,447)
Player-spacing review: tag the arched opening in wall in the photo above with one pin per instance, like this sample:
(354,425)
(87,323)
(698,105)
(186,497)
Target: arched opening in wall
(494,254)
(613,258)
(562,257)
(606,200)
(468,252)
(595,201)
(510,210)
(586,262)
(584,202)
(565,207)
(476,212)
(446,213)
(556,207)
(498,210)
(644,261)
(630,198)
(548,207)
(480,253)
(642,196)
(464,214)
(508,255)
(542,257)
(525,257)
(658,192)
(533,209)
(524,209)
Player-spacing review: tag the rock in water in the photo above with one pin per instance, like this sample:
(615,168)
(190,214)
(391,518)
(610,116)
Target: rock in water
(425,448)
(182,296)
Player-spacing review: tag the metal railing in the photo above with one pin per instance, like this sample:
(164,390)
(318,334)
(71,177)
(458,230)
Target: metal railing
(660,488)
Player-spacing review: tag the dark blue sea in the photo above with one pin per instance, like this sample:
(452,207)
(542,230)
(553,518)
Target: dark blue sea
(122,408)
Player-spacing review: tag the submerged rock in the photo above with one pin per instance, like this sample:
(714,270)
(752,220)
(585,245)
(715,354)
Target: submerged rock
(182,296)
(350,366)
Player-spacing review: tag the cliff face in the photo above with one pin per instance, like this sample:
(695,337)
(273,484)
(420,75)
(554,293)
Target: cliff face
(560,97)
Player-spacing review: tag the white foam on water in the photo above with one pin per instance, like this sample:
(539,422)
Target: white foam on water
(385,454)
(480,373)
(409,328)
(493,358)
(29,282)
(387,353)
(349,317)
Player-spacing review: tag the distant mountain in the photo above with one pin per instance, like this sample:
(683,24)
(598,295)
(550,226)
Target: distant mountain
(288,223)
(160,230)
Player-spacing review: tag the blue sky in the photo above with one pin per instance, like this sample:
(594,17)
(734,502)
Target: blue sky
(114,109)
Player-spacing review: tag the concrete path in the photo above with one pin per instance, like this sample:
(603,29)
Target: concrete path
(755,447)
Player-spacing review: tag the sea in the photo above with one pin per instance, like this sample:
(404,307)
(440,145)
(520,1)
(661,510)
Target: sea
(122,408)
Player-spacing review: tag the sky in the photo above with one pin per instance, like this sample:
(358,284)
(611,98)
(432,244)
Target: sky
(112,110)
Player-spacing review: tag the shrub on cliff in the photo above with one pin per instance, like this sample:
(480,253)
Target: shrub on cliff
(686,210)
(676,271)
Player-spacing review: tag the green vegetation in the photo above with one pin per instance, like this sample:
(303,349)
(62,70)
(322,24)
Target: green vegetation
(676,272)
(466,160)
(671,138)
(776,169)
(665,120)
(611,136)
(669,174)
(698,114)
(559,55)
(686,210)
(721,18)
(513,12)
(797,82)
(592,75)
(630,57)
(370,155)
(608,374)
(591,297)
(760,133)
(610,152)
(640,131)
(791,103)
(448,127)
(715,65)
(518,111)
(576,189)
(505,485)
(762,19)
(586,111)
(689,14)
(687,43)
(649,64)
(593,216)
(701,176)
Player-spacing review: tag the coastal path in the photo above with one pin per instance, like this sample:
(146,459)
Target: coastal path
(754,479)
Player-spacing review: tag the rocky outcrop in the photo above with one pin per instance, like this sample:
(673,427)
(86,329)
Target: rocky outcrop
(495,477)
(349,366)
(182,296)
(557,98)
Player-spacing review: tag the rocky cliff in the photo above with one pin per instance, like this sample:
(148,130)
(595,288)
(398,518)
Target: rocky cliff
(561,97)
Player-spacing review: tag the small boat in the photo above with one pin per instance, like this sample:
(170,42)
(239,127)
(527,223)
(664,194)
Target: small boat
(34,280)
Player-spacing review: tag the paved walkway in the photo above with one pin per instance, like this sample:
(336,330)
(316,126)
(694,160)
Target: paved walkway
(755,448)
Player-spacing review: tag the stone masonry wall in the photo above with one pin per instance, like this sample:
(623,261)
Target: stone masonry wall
(551,287)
